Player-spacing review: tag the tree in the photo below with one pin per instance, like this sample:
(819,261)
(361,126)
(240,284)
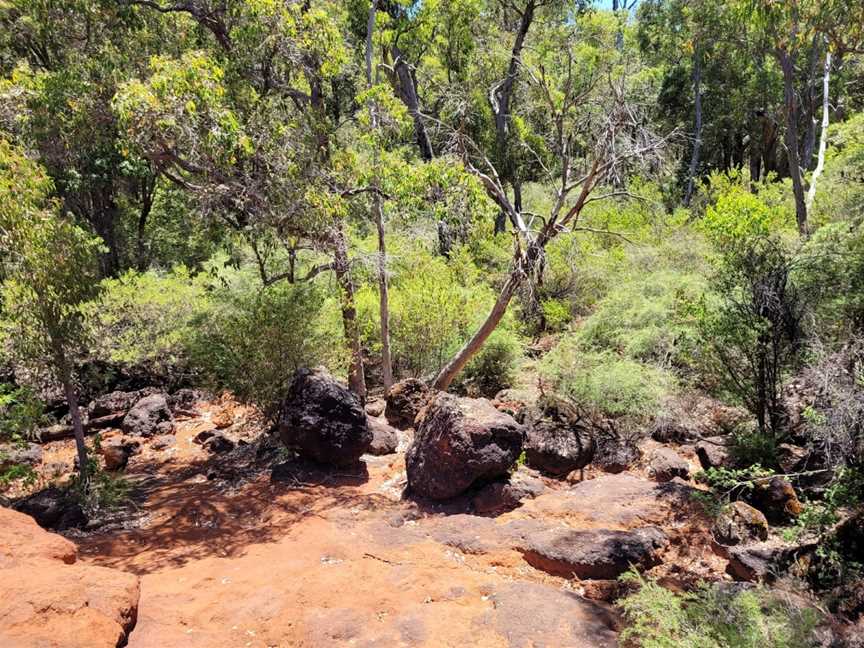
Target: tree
(51,267)
(594,127)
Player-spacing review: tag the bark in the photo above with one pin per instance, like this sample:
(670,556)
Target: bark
(809,145)
(148,189)
(697,129)
(74,414)
(787,64)
(407,87)
(378,216)
(823,141)
(342,270)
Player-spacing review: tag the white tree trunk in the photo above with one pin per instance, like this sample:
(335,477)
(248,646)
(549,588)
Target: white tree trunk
(823,139)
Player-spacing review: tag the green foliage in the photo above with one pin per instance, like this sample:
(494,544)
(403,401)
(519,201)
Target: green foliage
(845,490)
(21,413)
(103,491)
(605,383)
(494,366)
(727,484)
(713,617)
(253,339)
(556,314)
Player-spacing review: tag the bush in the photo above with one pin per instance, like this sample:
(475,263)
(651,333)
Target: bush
(21,413)
(713,617)
(252,340)
(493,368)
(604,383)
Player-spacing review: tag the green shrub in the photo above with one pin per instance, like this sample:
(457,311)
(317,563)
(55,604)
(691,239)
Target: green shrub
(493,368)
(21,413)
(252,340)
(605,383)
(712,617)
(556,314)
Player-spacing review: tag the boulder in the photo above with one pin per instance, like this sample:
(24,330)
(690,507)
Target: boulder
(615,453)
(375,407)
(557,441)
(501,496)
(665,464)
(52,508)
(849,538)
(113,403)
(146,415)
(12,454)
(385,439)
(50,599)
(203,435)
(776,498)
(323,420)
(164,442)
(461,441)
(602,554)
(752,563)
(713,452)
(740,523)
(404,401)
(115,452)
(183,401)
(792,458)
(219,443)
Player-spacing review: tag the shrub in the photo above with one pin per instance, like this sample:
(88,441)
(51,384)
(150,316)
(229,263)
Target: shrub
(252,340)
(493,368)
(21,413)
(713,617)
(605,383)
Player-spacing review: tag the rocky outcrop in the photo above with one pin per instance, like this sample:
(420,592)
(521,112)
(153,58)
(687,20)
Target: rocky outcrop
(144,417)
(740,523)
(713,452)
(593,554)
(324,421)
(404,401)
(49,599)
(557,441)
(385,439)
(776,498)
(753,563)
(461,441)
(665,464)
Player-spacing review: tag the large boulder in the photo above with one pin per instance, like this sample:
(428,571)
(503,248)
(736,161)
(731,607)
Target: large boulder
(50,599)
(593,554)
(323,420)
(713,452)
(116,452)
(146,415)
(740,523)
(776,498)
(404,401)
(52,508)
(615,453)
(557,441)
(461,441)
(665,464)
(12,454)
(385,439)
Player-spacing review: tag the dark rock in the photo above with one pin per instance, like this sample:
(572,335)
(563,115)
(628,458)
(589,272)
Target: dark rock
(164,442)
(615,453)
(665,465)
(461,441)
(385,439)
(776,498)
(184,401)
(792,458)
(115,452)
(557,441)
(847,600)
(219,443)
(740,523)
(203,435)
(751,563)
(501,496)
(114,403)
(323,420)
(104,422)
(670,430)
(404,401)
(849,538)
(713,452)
(12,454)
(53,509)
(145,416)
(594,554)
(375,407)
(165,427)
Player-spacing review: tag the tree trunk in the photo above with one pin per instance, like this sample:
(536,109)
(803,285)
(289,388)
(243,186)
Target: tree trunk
(697,130)
(342,270)
(787,64)
(408,93)
(75,415)
(823,138)
(378,216)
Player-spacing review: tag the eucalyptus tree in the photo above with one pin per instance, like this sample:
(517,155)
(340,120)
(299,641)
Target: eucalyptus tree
(592,109)
(51,270)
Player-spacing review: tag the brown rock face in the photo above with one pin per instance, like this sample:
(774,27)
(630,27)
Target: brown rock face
(557,441)
(666,464)
(384,437)
(713,452)
(51,600)
(776,498)
(404,401)
(740,523)
(461,441)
